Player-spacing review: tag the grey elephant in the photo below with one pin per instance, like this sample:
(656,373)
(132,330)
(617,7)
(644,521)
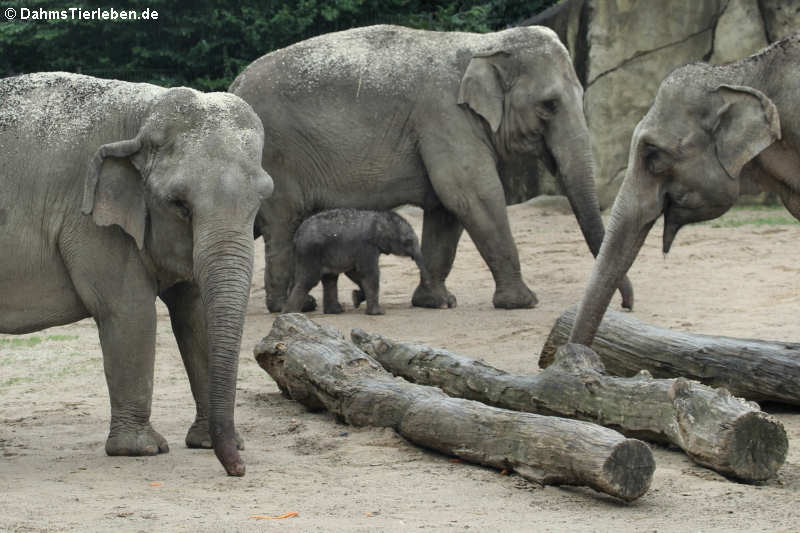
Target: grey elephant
(348,241)
(709,129)
(113,194)
(381,116)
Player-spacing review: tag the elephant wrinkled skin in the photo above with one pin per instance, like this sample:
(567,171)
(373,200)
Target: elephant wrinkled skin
(381,116)
(709,128)
(113,194)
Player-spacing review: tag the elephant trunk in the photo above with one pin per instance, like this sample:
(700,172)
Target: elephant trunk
(577,169)
(223,263)
(630,223)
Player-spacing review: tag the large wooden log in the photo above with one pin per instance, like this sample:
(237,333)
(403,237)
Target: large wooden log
(753,369)
(314,365)
(715,429)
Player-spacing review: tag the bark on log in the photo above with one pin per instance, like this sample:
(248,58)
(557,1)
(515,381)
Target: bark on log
(314,365)
(727,434)
(753,369)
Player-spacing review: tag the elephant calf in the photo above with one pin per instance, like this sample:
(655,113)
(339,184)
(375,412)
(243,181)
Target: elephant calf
(113,194)
(348,241)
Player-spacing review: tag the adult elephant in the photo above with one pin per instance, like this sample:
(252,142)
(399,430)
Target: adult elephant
(377,117)
(112,194)
(709,128)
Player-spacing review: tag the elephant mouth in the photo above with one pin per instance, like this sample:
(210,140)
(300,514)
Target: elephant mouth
(676,217)
(549,160)
(670,230)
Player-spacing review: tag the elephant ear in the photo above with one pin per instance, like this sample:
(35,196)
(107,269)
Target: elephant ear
(114,189)
(483,88)
(747,123)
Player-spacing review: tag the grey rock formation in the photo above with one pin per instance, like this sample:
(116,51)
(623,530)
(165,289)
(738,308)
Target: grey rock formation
(781,17)
(739,32)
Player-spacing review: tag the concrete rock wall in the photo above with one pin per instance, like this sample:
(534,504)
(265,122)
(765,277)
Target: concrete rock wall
(622,49)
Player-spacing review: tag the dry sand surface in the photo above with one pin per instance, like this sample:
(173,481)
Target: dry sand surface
(741,280)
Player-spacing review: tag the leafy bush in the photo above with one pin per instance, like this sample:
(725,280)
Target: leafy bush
(204,44)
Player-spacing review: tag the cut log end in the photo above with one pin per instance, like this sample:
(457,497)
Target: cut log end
(758,447)
(629,469)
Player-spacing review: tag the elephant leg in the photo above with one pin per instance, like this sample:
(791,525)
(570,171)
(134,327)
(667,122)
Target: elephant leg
(306,275)
(369,273)
(188,319)
(357,294)
(330,294)
(262,228)
(279,271)
(278,274)
(466,181)
(128,343)
(440,234)
(120,295)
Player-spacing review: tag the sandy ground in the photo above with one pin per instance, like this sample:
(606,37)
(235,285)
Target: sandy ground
(739,280)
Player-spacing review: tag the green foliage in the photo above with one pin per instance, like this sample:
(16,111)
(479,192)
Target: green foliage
(15,381)
(754,215)
(204,44)
(31,342)
(24,342)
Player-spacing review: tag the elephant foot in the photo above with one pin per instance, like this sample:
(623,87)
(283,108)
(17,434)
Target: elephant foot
(333,309)
(310,303)
(438,298)
(141,440)
(519,297)
(275,305)
(375,310)
(358,297)
(199,437)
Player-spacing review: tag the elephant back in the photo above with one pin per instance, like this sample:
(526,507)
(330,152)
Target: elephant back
(59,108)
(382,59)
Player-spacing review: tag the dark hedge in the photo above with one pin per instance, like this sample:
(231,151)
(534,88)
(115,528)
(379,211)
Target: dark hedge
(205,44)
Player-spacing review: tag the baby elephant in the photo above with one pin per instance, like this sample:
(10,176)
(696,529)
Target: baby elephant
(349,241)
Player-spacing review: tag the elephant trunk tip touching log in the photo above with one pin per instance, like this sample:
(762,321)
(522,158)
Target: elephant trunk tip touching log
(710,129)
(715,428)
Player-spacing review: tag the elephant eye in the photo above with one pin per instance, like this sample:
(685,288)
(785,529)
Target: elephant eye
(181,207)
(548,108)
(656,161)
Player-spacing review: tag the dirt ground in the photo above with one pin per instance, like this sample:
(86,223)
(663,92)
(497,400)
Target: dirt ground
(739,276)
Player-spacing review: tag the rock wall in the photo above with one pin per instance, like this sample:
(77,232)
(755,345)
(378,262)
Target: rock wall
(622,49)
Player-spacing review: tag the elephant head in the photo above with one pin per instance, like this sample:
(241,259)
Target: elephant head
(186,188)
(394,235)
(685,162)
(532,103)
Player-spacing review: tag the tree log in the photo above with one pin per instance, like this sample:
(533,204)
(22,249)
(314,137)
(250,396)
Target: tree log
(314,365)
(727,434)
(753,369)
